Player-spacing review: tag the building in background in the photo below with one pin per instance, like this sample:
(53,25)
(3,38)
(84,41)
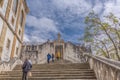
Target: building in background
(12,23)
(38,52)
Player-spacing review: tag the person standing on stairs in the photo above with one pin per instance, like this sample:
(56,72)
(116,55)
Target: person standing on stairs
(52,57)
(48,58)
(26,68)
(58,55)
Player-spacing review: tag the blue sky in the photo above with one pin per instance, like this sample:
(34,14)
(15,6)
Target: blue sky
(49,17)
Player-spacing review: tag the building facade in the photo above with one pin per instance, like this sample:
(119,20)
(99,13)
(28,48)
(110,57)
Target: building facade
(12,23)
(38,52)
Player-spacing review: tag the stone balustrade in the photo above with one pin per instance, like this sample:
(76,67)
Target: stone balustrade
(105,69)
(8,66)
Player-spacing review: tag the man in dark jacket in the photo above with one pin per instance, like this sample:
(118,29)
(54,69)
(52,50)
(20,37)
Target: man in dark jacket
(52,57)
(26,68)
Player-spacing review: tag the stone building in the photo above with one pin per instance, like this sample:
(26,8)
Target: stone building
(12,22)
(38,52)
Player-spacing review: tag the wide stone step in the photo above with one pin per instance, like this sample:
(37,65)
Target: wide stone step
(49,71)
(43,72)
(50,78)
(49,75)
(43,79)
(58,66)
(52,74)
(58,70)
(38,68)
(53,71)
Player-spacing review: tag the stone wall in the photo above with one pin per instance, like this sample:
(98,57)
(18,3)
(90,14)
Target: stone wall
(7,51)
(38,53)
(73,53)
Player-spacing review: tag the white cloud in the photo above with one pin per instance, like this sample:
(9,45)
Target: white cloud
(75,6)
(113,7)
(42,23)
(41,29)
(26,38)
(64,13)
(98,6)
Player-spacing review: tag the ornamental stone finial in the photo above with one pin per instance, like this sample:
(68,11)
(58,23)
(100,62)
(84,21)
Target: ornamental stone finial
(59,36)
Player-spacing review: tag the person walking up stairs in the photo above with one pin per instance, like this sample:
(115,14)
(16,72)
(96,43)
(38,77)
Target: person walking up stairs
(54,71)
(26,69)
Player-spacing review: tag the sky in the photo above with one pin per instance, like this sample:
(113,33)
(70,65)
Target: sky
(47,18)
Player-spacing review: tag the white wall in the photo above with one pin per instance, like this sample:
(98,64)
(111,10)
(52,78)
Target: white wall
(6,53)
(19,25)
(19,49)
(42,58)
(10,18)
(4,7)
(12,15)
(19,28)
(1,26)
(3,11)
(70,54)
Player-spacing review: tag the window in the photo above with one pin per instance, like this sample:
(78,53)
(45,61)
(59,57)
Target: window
(12,21)
(0,49)
(16,51)
(27,48)
(8,44)
(1,3)
(15,6)
(21,18)
(19,32)
(32,47)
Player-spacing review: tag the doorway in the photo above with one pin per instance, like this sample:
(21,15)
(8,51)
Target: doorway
(59,51)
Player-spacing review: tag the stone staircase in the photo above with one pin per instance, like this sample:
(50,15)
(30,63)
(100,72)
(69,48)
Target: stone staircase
(53,71)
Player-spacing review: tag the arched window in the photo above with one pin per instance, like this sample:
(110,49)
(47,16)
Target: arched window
(15,6)
(32,47)
(21,18)
(1,3)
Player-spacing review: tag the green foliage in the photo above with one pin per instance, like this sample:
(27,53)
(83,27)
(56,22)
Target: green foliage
(97,27)
(104,53)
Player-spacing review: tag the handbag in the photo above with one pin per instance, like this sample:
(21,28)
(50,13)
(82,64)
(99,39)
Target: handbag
(29,74)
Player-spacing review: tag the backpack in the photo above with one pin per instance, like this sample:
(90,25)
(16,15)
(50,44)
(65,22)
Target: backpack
(27,67)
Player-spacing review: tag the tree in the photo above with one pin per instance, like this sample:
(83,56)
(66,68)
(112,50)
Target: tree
(96,27)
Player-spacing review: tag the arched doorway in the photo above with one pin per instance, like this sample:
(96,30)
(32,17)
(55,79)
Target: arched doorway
(59,51)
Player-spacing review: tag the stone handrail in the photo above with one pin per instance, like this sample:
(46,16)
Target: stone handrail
(8,66)
(105,69)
